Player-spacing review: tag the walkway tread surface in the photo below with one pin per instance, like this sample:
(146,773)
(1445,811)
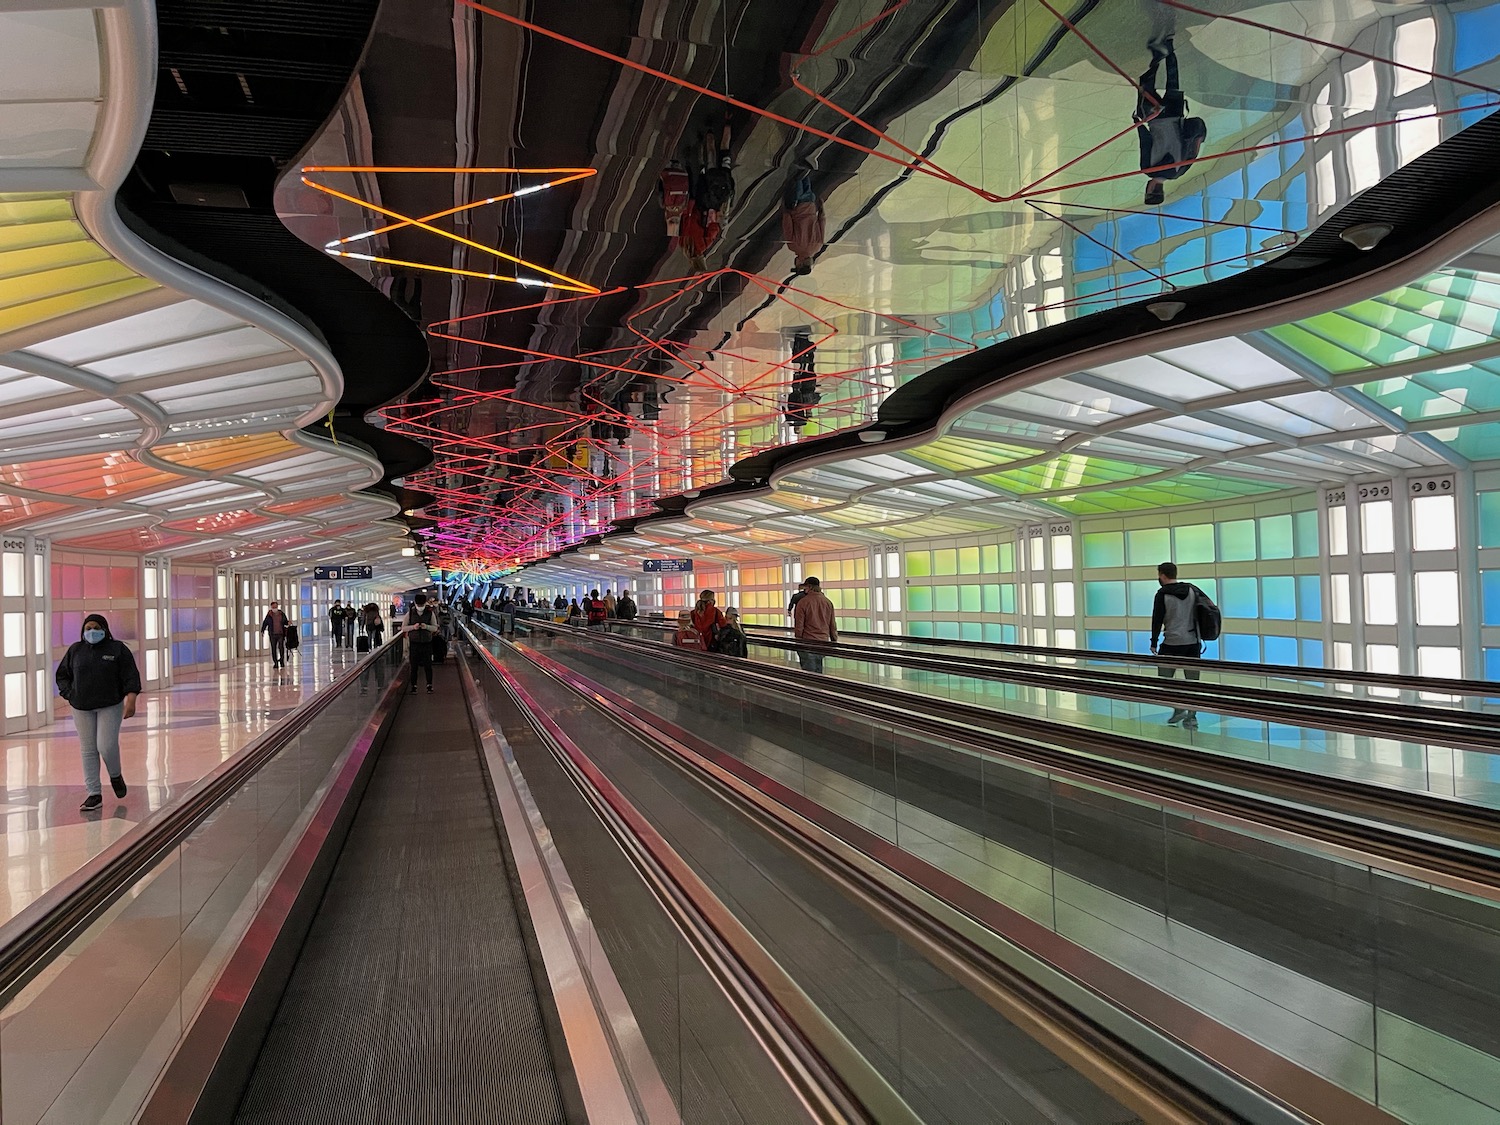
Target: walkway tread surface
(413,999)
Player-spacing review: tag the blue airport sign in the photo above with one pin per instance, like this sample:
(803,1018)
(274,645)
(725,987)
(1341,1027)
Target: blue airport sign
(327,573)
(667,566)
(358,573)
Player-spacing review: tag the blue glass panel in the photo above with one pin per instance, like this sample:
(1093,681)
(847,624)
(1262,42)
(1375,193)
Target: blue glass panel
(1142,595)
(1489,594)
(1476,37)
(971,631)
(1241,646)
(1492,663)
(947,630)
(1007,634)
(1106,640)
(1209,586)
(1280,650)
(992,632)
(991,600)
(1489,519)
(1278,599)
(204,652)
(920,628)
(1140,641)
(1276,537)
(1149,546)
(1309,598)
(1240,598)
(1008,602)
(1104,599)
(1312,653)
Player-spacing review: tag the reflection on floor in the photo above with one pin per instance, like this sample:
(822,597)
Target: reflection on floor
(177,736)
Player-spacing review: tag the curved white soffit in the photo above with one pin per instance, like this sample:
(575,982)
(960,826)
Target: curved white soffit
(129,49)
(130,76)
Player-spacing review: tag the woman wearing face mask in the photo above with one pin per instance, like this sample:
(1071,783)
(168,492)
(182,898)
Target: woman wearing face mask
(98,678)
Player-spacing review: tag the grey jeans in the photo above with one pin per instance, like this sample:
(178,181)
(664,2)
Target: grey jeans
(99,737)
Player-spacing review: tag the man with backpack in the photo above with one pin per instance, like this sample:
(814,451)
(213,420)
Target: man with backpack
(1170,140)
(597,611)
(1183,617)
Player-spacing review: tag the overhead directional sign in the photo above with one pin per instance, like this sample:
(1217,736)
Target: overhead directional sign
(667,566)
(358,573)
(327,573)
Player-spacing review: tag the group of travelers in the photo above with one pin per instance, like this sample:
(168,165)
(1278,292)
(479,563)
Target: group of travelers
(596,610)
(347,622)
(707,628)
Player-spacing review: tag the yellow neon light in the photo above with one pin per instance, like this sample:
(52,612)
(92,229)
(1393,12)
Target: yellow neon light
(561,280)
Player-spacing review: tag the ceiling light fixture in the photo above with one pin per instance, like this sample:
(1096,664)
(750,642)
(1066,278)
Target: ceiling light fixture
(871,436)
(1166,311)
(593,556)
(692,494)
(1366,236)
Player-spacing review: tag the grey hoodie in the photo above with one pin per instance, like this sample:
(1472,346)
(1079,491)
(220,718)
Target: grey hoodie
(1172,614)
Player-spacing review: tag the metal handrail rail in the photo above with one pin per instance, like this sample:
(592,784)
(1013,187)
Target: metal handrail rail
(1466,730)
(30,938)
(1391,681)
(1468,866)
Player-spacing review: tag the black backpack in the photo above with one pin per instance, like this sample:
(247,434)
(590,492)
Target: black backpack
(1207,619)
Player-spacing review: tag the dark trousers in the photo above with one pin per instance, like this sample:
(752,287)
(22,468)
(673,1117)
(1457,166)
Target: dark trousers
(421,657)
(810,661)
(278,648)
(338,634)
(1172,104)
(1193,650)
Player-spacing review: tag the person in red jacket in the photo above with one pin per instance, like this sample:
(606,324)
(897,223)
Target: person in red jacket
(708,619)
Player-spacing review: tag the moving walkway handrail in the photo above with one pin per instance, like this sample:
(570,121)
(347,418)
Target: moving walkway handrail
(1386,680)
(1300,811)
(1280,1086)
(1464,730)
(29,939)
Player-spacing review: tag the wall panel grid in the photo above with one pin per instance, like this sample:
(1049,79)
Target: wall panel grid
(26,648)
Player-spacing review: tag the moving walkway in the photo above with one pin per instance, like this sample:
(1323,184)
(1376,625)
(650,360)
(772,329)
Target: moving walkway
(551,892)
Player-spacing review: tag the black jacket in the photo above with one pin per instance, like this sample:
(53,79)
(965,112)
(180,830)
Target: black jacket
(93,676)
(625,609)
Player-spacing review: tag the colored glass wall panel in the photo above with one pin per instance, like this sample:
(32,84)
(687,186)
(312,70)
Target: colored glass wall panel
(1237,541)
(1107,548)
(1193,544)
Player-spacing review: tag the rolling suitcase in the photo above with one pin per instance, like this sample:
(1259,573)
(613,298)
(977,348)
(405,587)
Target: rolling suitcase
(439,648)
(361,643)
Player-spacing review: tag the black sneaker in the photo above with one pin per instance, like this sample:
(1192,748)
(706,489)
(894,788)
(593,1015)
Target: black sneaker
(414,689)
(91,802)
(429,689)
(119,786)
(1178,714)
(1191,722)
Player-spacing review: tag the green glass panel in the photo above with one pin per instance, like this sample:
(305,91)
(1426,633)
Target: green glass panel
(1148,546)
(1104,599)
(971,631)
(968,560)
(991,603)
(1305,533)
(946,598)
(992,632)
(1008,597)
(1325,354)
(1007,558)
(968,599)
(947,630)
(989,559)
(920,628)
(1193,544)
(945,562)
(1276,537)
(919,599)
(1237,541)
(918,564)
(1489,519)
(1103,548)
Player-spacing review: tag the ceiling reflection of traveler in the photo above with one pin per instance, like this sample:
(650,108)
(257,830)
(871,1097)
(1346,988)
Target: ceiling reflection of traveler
(1170,140)
(804,393)
(802,223)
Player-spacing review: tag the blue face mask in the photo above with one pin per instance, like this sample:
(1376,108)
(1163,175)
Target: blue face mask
(93,636)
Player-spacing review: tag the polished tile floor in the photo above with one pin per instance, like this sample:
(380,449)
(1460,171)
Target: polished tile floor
(177,736)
